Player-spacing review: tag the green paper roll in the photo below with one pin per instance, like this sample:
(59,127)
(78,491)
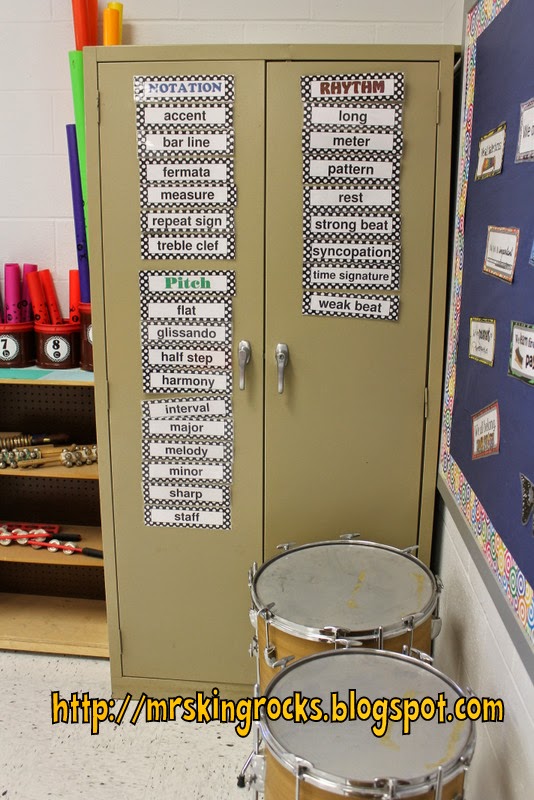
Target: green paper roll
(76,77)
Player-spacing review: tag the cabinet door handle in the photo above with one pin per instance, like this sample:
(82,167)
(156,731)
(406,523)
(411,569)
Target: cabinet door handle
(282,358)
(244,351)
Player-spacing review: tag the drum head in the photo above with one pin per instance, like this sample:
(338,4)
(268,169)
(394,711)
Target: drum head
(353,585)
(345,752)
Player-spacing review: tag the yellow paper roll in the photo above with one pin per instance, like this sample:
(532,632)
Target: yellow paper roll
(111,26)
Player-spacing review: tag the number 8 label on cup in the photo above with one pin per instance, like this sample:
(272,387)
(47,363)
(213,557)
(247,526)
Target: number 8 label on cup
(57,348)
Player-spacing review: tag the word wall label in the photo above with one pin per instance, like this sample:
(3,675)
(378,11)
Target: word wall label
(371,86)
(187,518)
(187,406)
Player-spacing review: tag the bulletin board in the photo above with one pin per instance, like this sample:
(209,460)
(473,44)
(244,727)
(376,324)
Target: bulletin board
(487,452)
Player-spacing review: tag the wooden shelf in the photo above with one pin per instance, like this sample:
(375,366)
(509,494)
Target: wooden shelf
(91,537)
(48,377)
(89,472)
(43,624)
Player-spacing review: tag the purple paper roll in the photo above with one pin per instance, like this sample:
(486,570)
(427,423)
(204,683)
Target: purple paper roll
(12,292)
(26,314)
(79,215)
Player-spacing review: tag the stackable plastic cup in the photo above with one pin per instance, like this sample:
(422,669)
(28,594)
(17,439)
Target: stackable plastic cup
(17,344)
(58,346)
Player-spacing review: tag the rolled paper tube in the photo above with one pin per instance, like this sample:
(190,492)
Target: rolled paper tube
(76,79)
(26,306)
(37,297)
(74,295)
(50,296)
(81,28)
(118,7)
(92,22)
(12,293)
(79,216)
(111,20)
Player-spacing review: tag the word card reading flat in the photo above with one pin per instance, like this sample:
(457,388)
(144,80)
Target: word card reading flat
(190,309)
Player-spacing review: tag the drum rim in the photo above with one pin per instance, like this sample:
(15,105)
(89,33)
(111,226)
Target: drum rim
(336,784)
(321,634)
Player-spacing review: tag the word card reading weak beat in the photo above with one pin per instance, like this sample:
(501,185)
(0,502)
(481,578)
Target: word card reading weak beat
(351,305)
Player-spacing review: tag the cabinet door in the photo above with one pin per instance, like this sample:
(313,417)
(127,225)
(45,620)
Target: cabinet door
(181,594)
(344,441)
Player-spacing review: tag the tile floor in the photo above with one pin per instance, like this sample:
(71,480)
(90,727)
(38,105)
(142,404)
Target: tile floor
(148,761)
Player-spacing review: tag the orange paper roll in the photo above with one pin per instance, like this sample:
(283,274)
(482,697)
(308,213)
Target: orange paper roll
(74,295)
(50,296)
(111,20)
(37,299)
(81,27)
(118,7)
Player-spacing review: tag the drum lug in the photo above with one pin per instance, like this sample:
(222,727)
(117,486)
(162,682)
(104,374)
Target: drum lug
(350,536)
(286,546)
(252,574)
(412,549)
(253,616)
(269,654)
(253,647)
(415,653)
(436,625)
(435,628)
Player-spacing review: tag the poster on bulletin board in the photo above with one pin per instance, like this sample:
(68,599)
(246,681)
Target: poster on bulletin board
(487,452)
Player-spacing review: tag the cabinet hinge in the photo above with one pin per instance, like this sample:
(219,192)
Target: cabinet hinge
(98,108)
(426,402)
(438,106)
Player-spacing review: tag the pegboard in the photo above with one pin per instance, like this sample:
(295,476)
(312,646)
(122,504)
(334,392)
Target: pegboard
(60,501)
(61,580)
(30,408)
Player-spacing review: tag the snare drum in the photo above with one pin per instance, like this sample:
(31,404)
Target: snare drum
(325,759)
(312,598)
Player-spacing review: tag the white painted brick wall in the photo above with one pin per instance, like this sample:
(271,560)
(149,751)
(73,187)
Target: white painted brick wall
(35,37)
(475,649)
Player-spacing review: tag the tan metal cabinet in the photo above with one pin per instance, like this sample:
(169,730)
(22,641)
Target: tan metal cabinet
(351,442)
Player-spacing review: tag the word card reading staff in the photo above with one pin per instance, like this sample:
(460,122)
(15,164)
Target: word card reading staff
(188,518)
(366,86)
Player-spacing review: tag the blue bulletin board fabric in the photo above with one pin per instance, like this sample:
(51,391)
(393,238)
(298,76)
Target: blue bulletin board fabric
(498,79)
